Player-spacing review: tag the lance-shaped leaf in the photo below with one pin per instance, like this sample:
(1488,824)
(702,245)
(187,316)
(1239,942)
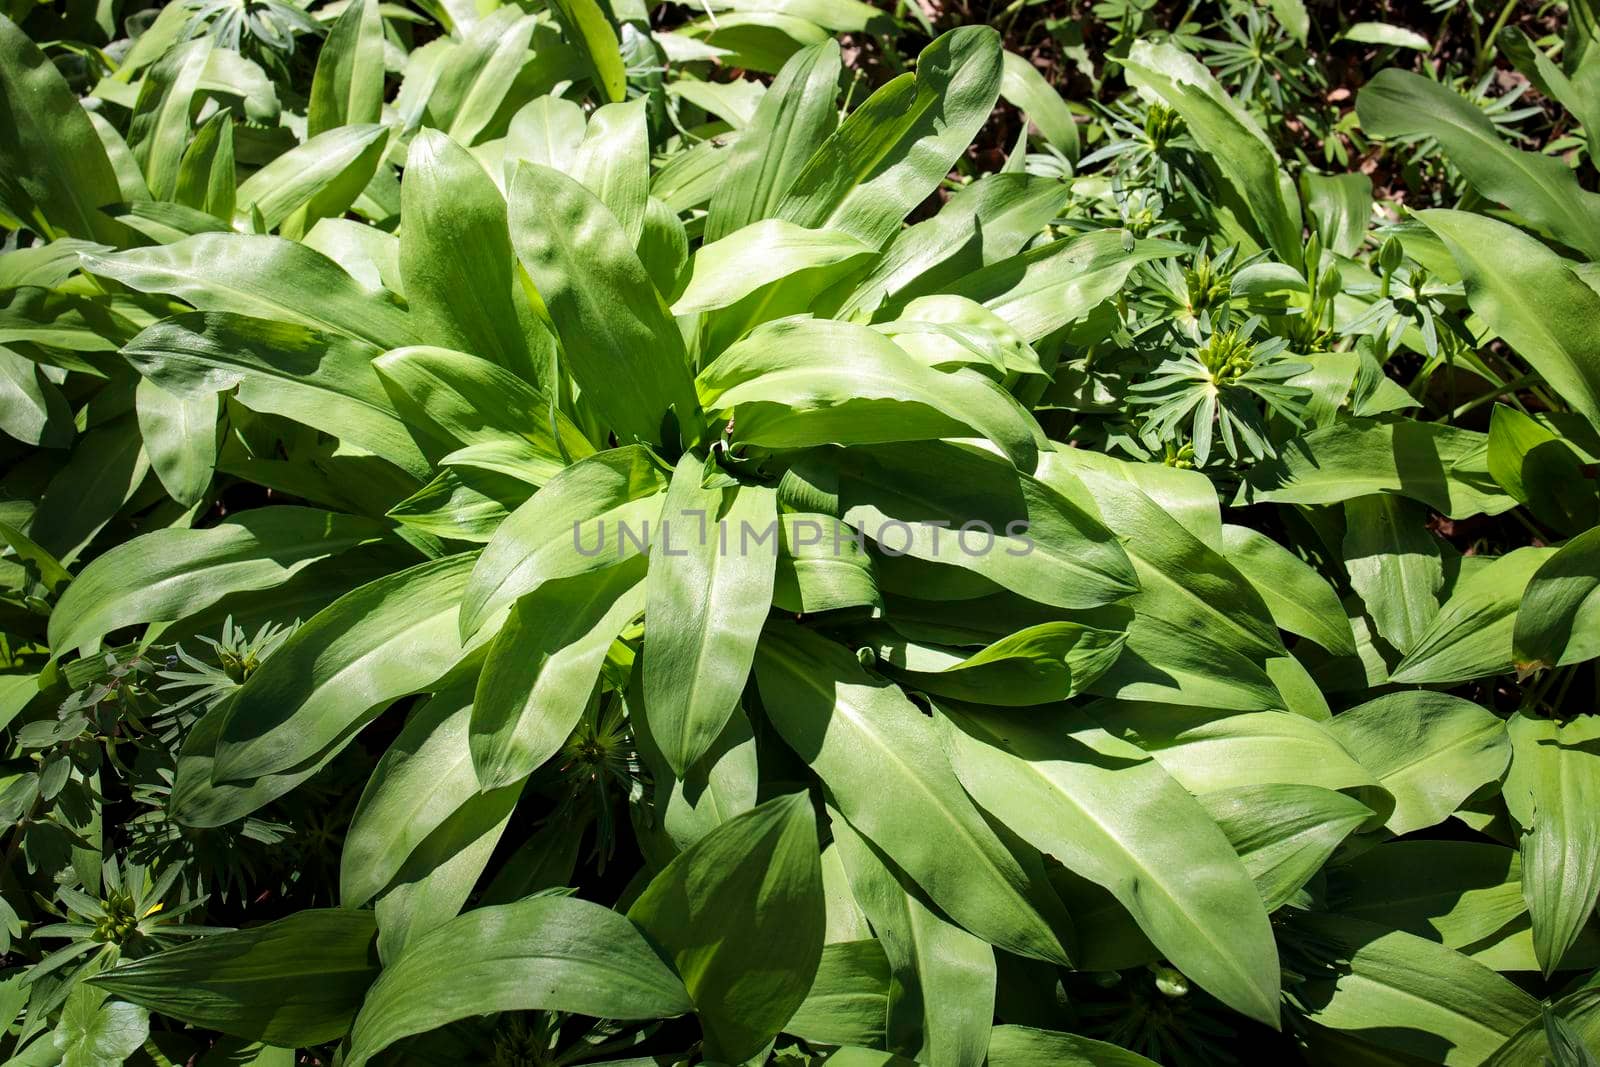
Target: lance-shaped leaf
(1558,622)
(1037,665)
(166,575)
(1553,793)
(476,75)
(264,277)
(621,346)
(849,999)
(947,504)
(726,271)
(324,380)
(1471,635)
(180,437)
(461,279)
(207,178)
(422,828)
(709,589)
(57,174)
(800,382)
(1024,1046)
(456,403)
(896,148)
(1429,750)
(1301,600)
(318,179)
(1045,288)
(159,130)
(1283,833)
(1112,815)
(613,162)
(1026,89)
(1229,136)
(1543,190)
(547,953)
(940,1001)
(594,514)
(1403,993)
(589,31)
(387,639)
(347,89)
(296,981)
(1394,565)
(867,742)
(795,116)
(543,665)
(740,914)
(1531,297)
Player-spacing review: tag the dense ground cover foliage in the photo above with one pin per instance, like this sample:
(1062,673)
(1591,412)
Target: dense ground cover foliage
(783,531)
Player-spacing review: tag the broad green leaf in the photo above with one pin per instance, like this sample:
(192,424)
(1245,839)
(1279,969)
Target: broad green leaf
(793,119)
(546,131)
(823,565)
(1558,621)
(613,162)
(166,575)
(622,347)
(951,505)
(423,789)
(314,180)
(724,272)
(1112,815)
(296,981)
(180,437)
(57,173)
(986,222)
(1208,751)
(1471,636)
(543,665)
(387,639)
(465,505)
(207,179)
(475,77)
(1340,205)
(461,278)
(849,998)
(801,382)
(1301,600)
(1045,288)
(265,277)
(1405,994)
(1024,1046)
(896,148)
(740,915)
(939,999)
(1037,665)
(546,953)
(1541,469)
(32,409)
(1440,465)
(455,402)
(866,741)
(1429,750)
(107,467)
(1553,794)
(587,28)
(1023,85)
(592,515)
(1530,297)
(159,130)
(347,89)
(324,380)
(1228,135)
(1283,833)
(721,785)
(945,331)
(1543,190)
(1385,33)
(1394,566)
(706,600)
